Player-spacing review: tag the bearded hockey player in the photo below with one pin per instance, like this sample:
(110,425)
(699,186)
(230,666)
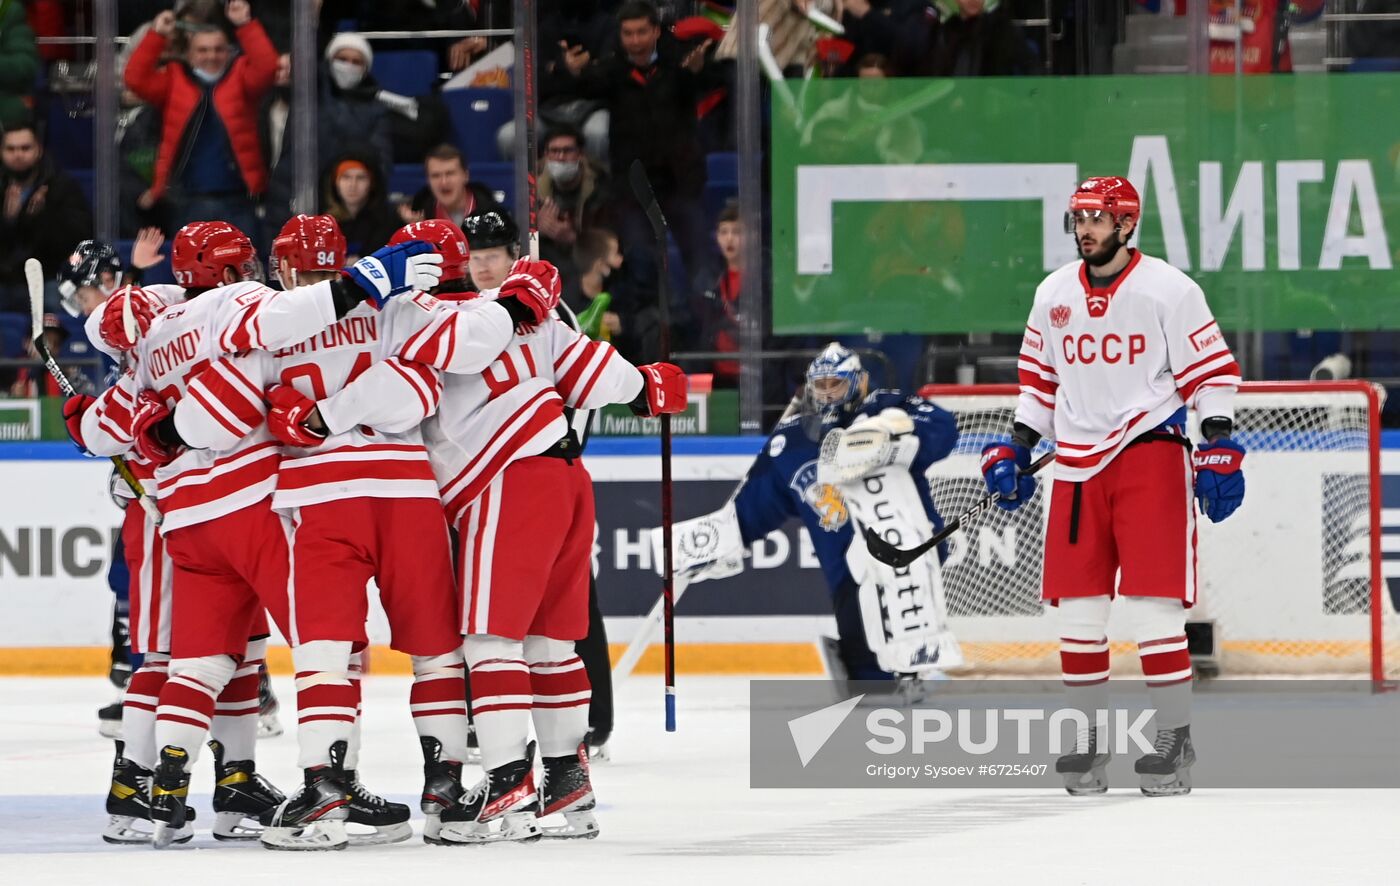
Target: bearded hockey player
(1117,347)
(847,459)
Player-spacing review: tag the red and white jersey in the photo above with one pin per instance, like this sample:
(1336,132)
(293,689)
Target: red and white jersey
(371,395)
(107,423)
(165,293)
(515,408)
(1100,367)
(232,459)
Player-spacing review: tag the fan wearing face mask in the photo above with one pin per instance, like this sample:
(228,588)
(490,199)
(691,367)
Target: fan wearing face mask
(350,113)
(574,196)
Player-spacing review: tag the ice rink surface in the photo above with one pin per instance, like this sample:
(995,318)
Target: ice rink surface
(677,809)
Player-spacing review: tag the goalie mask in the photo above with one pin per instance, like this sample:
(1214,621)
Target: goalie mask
(836,385)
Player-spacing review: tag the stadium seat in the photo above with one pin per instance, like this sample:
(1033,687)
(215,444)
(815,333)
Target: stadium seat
(406,179)
(499,177)
(14,332)
(1372,65)
(722,167)
(412,72)
(477,115)
(84,179)
(68,140)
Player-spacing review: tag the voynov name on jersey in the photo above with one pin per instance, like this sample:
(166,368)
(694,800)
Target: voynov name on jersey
(783,480)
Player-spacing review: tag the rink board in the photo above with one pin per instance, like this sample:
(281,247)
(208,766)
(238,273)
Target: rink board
(56,532)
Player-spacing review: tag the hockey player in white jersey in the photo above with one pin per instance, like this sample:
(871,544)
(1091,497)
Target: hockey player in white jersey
(228,548)
(358,491)
(1117,347)
(240,794)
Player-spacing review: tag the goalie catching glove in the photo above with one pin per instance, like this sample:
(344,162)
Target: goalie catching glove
(870,444)
(290,415)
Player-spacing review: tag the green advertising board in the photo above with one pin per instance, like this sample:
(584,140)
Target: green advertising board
(937,205)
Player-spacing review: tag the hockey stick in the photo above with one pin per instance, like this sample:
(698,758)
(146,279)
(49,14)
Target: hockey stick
(900,557)
(34,276)
(647,198)
(641,640)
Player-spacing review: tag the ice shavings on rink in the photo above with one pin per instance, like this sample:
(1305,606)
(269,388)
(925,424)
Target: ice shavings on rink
(678,808)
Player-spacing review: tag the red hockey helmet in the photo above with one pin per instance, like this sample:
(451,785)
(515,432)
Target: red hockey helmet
(1105,193)
(202,250)
(443,236)
(310,243)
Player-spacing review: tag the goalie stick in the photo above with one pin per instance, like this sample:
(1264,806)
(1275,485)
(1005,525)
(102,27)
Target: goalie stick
(34,276)
(647,198)
(900,557)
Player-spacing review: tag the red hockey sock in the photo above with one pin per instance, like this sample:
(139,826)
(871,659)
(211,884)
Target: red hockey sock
(139,709)
(438,702)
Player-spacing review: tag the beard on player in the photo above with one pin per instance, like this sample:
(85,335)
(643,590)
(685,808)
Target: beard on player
(1096,253)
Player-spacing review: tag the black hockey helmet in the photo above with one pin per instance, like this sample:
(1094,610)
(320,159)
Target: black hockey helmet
(85,267)
(492,228)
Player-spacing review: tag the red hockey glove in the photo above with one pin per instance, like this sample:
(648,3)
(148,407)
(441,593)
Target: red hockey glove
(664,389)
(146,418)
(73,409)
(535,285)
(288,411)
(113,327)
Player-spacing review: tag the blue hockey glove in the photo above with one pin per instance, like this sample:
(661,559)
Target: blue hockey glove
(1001,466)
(1219,478)
(393,270)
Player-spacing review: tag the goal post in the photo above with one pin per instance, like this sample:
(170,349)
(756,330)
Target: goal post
(1292,583)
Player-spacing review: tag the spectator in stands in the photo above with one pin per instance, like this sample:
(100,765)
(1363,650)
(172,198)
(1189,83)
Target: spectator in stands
(19,64)
(43,213)
(573,195)
(597,256)
(348,112)
(210,162)
(34,380)
(872,26)
(494,241)
(651,90)
(450,193)
(977,39)
(718,312)
(353,192)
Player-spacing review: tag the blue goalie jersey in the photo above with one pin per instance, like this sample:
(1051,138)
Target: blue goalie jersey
(783,480)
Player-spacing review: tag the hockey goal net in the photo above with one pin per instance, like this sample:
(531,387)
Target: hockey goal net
(1290,584)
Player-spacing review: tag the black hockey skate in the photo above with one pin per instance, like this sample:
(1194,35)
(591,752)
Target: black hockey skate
(568,791)
(442,787)
(241,797)
(503,807)
(1166,771)
(128,802)
(389,821)
(1085,770)
(269,726)
(314,817)
(170,791)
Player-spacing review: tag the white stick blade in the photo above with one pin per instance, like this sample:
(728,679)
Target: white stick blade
(34,276)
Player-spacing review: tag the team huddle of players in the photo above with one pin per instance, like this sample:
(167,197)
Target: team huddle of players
(354,425)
